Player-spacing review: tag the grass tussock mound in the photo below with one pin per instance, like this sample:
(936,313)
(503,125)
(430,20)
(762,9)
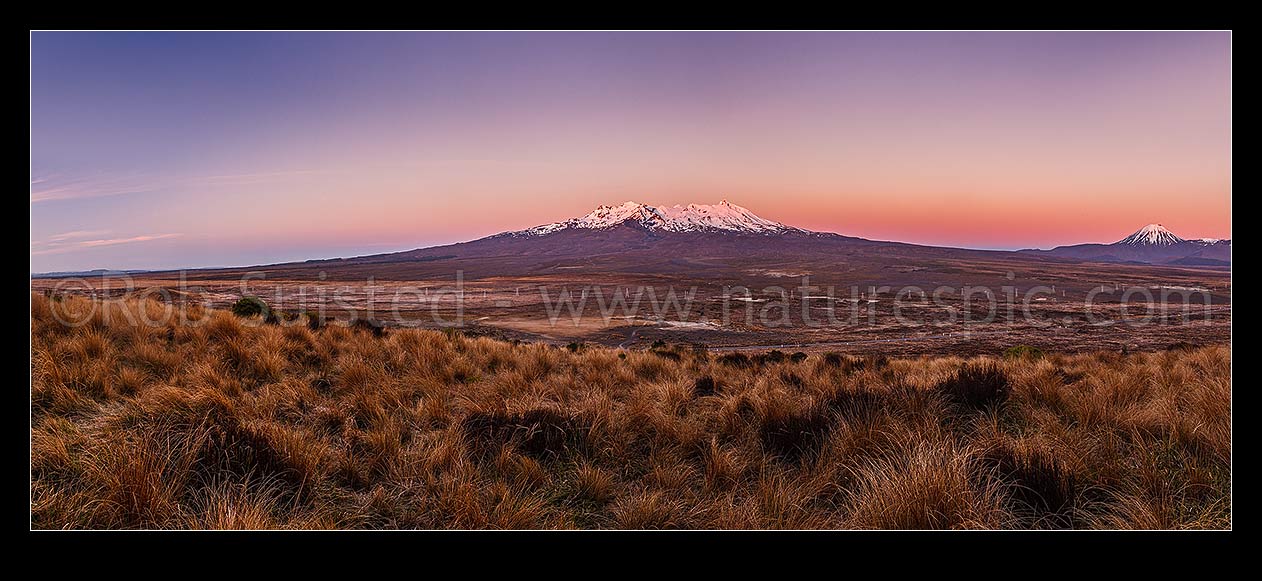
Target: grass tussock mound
(977,386)
(540,432)
(228,421)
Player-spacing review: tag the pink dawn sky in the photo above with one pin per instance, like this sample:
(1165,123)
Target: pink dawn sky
(163,150)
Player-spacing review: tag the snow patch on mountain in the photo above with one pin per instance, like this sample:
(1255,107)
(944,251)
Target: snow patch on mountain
(722,217)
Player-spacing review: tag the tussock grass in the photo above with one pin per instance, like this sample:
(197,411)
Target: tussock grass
(977,386)
(223,421)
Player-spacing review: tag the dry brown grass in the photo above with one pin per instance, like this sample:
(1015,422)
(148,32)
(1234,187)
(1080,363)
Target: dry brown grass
(223,422)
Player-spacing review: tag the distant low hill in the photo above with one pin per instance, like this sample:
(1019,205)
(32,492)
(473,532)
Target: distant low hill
(85,273)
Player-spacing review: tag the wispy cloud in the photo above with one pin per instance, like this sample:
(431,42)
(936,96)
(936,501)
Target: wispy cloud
(76,234)
(51,188)
(48,190)
(113,241)
(62,243)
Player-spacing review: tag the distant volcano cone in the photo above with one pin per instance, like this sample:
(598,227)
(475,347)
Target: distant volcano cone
(1152,235)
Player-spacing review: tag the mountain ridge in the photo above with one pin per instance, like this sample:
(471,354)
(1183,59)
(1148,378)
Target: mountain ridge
(723,240)
(1151,244)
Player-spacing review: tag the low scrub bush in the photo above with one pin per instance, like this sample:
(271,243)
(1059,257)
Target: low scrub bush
(251,307)
(1023,352)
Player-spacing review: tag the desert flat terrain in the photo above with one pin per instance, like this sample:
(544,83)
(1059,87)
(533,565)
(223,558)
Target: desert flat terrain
(943,307)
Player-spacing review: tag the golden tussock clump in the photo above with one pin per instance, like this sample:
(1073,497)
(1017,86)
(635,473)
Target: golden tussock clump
(217,421)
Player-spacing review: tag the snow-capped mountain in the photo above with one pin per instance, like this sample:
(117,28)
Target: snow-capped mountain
(1154,235)
(1152,244)
(722,217)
